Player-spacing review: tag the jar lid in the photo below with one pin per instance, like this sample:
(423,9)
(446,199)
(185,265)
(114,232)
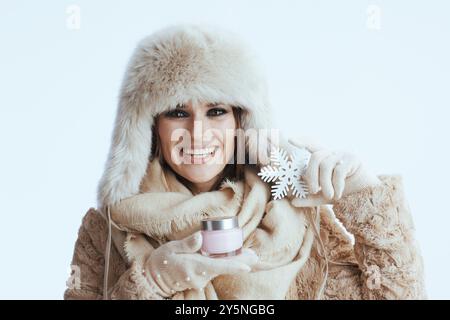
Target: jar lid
(220,223)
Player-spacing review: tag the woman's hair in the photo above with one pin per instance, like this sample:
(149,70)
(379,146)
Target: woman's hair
(233,171)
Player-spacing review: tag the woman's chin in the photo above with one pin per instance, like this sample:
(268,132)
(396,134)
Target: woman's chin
(201,173)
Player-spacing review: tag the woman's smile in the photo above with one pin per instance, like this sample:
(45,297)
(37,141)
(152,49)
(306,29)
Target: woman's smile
(198,156)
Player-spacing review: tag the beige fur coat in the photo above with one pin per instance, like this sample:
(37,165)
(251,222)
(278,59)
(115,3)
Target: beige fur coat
(383,261)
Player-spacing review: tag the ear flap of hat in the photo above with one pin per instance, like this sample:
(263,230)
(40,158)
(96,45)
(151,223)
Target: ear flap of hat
(128,156)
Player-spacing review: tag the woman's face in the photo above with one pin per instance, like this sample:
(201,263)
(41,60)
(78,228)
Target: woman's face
(197,141)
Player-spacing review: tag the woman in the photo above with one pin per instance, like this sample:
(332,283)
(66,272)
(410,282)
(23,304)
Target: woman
(184,148)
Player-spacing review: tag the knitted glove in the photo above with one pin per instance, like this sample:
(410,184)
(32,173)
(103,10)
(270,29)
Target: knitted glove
(335,173)
(176,265)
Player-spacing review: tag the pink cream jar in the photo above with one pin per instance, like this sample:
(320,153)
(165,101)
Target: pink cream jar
(222,237)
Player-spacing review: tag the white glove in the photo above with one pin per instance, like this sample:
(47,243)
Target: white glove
(177,266)
(335,173)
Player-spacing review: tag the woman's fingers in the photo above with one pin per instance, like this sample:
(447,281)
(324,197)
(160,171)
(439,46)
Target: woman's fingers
(190,244)
(339,175)
(247,256)
(319,171)
(312,174)
(228,265)
(326,169)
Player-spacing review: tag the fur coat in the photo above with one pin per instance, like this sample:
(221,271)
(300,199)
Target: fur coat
(381,260)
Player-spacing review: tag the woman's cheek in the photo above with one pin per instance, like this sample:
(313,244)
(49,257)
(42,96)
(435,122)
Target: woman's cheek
(229,146)
(228,132)
(169,140)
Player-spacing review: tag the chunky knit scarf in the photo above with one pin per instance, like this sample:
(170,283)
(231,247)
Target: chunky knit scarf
(280,234)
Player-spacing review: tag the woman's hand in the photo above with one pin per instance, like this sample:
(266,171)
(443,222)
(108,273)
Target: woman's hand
(177,265)
(335,173)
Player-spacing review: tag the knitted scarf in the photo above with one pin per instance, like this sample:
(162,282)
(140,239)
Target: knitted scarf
(166,210)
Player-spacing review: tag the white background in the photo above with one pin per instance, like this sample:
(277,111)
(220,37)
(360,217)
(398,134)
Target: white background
(382,93)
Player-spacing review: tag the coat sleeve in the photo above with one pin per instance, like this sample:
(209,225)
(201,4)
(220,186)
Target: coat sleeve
(86,280)
(385,248)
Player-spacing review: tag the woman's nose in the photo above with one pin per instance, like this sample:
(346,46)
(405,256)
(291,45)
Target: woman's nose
(197,130)
(199,133)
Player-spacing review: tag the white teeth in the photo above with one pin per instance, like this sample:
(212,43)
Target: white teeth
(199,152)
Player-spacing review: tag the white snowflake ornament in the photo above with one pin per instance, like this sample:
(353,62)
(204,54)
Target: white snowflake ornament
(287,172)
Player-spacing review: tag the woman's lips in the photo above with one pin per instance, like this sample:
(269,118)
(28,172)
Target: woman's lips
(198,156)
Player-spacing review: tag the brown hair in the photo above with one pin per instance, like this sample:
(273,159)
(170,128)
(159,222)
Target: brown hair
(233,171)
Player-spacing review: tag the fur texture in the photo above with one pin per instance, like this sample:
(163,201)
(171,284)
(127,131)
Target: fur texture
(383,263)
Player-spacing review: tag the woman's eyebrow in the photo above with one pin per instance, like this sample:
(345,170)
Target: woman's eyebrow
(214,104)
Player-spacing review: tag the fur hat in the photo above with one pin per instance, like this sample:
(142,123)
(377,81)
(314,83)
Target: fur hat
(172,66)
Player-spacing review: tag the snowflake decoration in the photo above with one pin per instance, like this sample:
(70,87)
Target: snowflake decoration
(287,173)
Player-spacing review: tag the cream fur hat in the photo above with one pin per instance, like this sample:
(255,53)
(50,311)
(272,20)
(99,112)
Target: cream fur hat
(172,66)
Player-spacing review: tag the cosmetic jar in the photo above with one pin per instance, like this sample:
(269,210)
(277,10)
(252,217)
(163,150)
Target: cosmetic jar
(222,237)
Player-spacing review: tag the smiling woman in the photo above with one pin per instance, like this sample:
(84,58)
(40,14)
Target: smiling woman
(188,92)
(207,134)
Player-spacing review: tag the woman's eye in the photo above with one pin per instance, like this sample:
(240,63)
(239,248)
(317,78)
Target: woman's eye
(176,114)
(214,112)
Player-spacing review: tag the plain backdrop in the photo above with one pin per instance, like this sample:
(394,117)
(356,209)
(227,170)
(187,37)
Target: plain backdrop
(371,77)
